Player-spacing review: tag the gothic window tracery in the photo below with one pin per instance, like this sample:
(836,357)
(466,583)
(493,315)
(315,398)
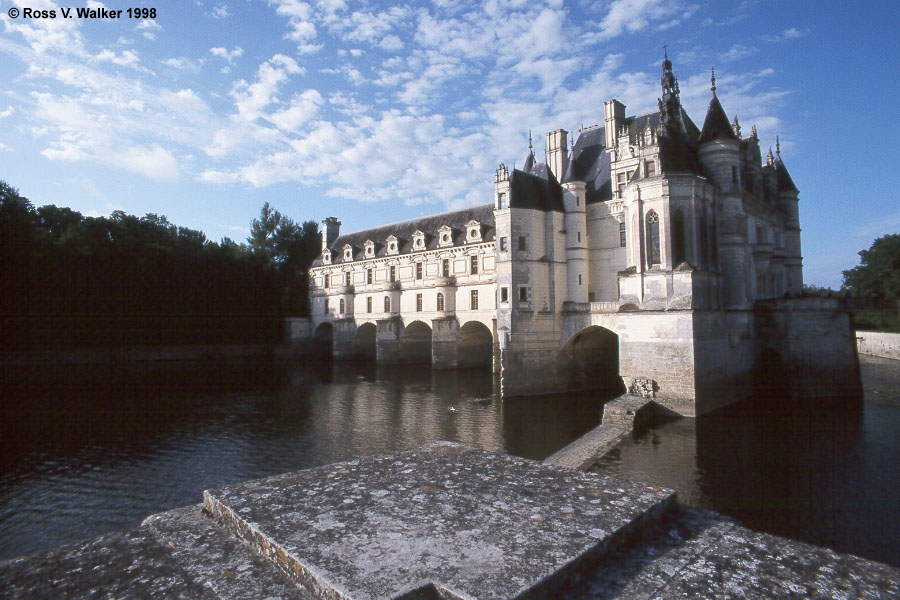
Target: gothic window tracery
(653,254)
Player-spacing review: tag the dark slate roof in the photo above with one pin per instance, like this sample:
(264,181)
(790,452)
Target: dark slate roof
(589,163)
(529,163)
(716,126)
(785,183)
(404,232)
(537,189)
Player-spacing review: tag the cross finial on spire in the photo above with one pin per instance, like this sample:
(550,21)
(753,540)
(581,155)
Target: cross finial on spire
(712,78)
(777,146)
(665,51)
(529,140)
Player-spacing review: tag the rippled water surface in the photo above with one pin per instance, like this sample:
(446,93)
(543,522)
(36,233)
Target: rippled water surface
(86,450)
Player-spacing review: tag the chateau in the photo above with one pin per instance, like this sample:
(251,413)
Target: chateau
(650,254)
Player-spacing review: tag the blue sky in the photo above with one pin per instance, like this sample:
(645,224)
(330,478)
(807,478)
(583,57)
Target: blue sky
(377,112)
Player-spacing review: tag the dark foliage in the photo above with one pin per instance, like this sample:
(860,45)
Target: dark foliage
(74,281)
(874,285)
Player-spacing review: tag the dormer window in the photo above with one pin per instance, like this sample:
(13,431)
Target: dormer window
(445,236)
(419,240)
(369,248)
(473,231)
(326,257)
(392,245)
(348,253)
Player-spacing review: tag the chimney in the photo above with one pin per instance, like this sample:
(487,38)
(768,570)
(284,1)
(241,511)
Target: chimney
(331,228)
(615,116)
(557,152)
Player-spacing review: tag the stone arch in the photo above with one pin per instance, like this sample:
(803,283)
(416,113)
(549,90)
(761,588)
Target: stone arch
(590,360)
(364,347)
(323,341)
(415,343)
(475,345)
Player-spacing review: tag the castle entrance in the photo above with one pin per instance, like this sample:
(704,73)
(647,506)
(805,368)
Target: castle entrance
(590,360)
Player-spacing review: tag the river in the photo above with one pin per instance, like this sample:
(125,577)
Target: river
(88,449)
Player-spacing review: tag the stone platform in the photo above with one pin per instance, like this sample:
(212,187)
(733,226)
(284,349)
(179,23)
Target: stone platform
(445,521)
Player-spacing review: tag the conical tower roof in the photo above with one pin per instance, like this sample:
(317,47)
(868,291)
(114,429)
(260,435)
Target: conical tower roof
(716,126)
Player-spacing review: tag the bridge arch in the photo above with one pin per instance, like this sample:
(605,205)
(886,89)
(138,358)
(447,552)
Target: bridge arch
(590,359)
(364,347)
(475,345)
(415,343)
(323,341)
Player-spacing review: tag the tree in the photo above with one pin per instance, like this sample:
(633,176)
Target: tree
(877,278)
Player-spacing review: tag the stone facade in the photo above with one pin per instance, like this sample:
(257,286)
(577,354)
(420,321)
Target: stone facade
(651,250)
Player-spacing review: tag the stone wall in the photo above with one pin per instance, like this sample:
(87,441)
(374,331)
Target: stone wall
(878,343)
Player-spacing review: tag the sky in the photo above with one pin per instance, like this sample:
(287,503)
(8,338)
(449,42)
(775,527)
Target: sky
(376,112)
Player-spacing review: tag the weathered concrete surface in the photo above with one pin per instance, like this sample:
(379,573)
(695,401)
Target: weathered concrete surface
(878,343)
(176,554)
(466,522)
(621,416)
(587,449)
(700,554)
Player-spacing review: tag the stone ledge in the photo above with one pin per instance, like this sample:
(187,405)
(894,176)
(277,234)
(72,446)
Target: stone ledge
(455,520)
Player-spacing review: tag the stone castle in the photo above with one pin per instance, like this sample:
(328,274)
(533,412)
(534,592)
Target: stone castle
(651,255)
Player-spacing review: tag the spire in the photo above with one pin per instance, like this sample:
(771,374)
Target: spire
(753,133)
(778,147)
(770,160)
(712,79)
(529,160)
(716,125)
(669,104)
(737,127)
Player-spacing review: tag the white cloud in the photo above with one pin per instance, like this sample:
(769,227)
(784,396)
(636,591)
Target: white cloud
(127,58)
(148,27)
(631,16)
(252,98)
(6,112)
(184,64)
(227,55)
(153,161)
(736,52)
(220,11)
(302,108)
(788,34)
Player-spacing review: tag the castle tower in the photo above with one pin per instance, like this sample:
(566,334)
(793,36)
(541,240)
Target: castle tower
(577,266)
(788,199)
(614,116)
(331,229)
(719,151)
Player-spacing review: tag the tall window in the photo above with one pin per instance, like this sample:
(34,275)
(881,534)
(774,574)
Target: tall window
(368,275)
(622,239)
(347,278)
(503,244)
(579,279)
(523,294)
(504,295)
(369,304)
(387,304)
(501,201)
(418,270)
(343,306)
(474,261)
(653,256)
(327,280)
(678,238)
(418,302)
(445,267)
(393,273)
(440,301)
(474,300)
(523,242)
(650,168)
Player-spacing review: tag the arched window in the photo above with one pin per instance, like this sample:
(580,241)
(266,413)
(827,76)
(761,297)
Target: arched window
(440,301)
(678,237)
(342,306)
(387,304)
(653,256)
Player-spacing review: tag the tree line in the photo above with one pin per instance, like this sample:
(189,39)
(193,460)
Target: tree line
(74,281)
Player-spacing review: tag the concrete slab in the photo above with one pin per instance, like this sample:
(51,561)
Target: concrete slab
(132,564)
(701,554)
(444,521)
(586,450)
(217,559)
